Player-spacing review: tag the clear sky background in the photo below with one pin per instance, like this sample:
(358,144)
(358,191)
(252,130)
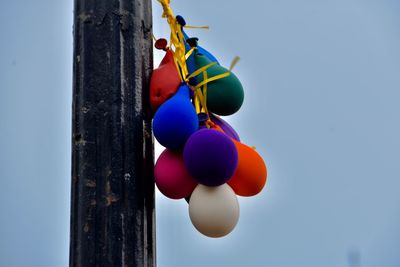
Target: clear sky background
(322,92)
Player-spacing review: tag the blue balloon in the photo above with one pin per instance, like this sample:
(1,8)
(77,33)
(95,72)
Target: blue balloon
(200,49)
(207,54)
(176,120)
(190,62)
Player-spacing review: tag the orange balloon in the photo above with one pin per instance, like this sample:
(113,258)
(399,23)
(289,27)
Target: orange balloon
(251,173)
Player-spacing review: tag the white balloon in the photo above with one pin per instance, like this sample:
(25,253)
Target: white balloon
(214,211)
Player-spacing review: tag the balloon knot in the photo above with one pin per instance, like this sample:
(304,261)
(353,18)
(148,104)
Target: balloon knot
(203,118)
(161,44)
(192,81)
(180,20)
(192,42)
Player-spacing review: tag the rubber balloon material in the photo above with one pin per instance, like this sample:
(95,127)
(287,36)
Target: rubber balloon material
(176,120)
(190,62)
(214,211)
(171,176)
(210,157)
(226,128)
(224,96)
(164,81)
(251,174)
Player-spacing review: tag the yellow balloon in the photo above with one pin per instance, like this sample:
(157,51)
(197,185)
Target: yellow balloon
(214,211)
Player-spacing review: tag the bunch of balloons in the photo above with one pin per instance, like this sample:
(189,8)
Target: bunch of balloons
(204,160)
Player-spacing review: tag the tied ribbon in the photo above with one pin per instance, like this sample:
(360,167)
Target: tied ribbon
(201,70)
(201,98)
(176,38)
(196,27)
(235,60)
(201,88)
(188,54)
(213,78)
(206,80)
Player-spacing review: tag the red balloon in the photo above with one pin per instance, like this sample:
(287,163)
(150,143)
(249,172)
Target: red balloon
(164,81)
(172,178)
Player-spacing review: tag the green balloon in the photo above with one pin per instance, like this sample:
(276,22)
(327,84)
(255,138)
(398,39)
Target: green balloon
(224,96)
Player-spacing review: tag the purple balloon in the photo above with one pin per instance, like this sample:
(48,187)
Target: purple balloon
(228,130)
(210,157)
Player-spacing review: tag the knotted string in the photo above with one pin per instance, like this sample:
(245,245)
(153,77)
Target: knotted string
(177,40)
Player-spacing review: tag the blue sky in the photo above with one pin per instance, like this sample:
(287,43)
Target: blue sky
(322,90)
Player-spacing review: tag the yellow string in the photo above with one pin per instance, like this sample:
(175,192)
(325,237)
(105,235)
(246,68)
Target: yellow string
(154,38)
(202,69)
(177,41)
(196,27)
(197,101)
(216,77)
(200,99)
(176,38)
(205,77)
(188,54)
(235,60)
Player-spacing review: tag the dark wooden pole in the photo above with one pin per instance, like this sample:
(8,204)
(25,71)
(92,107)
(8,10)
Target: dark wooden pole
(112,201)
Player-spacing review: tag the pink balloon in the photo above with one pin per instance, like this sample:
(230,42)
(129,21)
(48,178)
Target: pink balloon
(172,178)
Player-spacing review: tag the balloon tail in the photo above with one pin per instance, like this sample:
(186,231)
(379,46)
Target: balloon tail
(235,60)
